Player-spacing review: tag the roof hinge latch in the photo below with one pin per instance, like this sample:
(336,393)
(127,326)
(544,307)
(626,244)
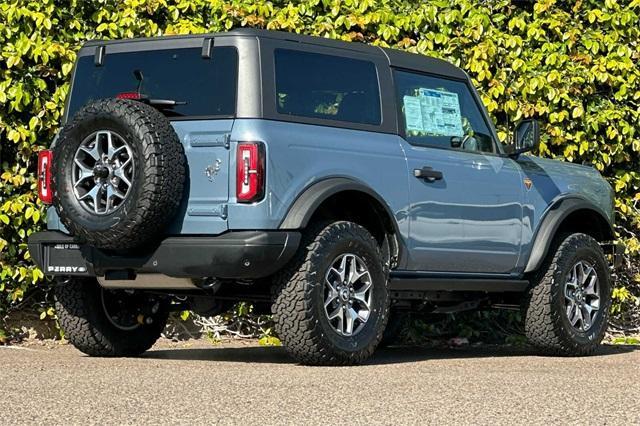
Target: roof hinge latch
(207,47)
(98,57)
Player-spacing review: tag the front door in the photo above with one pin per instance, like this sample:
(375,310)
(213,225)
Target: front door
(465,212)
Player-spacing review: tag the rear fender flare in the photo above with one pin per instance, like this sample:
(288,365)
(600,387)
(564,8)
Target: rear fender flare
(314,195)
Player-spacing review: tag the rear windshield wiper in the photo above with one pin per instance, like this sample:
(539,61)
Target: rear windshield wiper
(160,103)
(163,103)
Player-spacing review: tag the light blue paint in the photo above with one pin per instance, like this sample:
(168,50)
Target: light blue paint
(478,218)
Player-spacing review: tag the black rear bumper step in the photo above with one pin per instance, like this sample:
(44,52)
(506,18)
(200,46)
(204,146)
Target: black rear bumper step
(233,255)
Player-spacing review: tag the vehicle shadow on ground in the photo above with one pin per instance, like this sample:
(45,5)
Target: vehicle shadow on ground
(392,355)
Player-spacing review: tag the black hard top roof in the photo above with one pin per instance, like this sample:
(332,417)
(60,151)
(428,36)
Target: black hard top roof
(396,58)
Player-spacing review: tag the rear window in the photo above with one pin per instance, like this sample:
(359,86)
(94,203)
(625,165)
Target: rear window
(326,87)
(207,87)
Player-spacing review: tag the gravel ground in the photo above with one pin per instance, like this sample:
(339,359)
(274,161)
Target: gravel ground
(242,383)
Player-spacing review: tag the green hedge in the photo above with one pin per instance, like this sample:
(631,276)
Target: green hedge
(572,65)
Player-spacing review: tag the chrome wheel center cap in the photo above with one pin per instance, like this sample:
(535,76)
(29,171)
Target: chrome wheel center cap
(101,171)
(344,295)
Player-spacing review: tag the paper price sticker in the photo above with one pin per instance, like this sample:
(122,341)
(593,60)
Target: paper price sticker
(434,112)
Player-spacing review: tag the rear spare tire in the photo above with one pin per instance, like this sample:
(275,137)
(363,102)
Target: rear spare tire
(119,172)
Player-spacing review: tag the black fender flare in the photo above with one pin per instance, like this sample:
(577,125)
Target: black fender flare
(550,223)
(314,195)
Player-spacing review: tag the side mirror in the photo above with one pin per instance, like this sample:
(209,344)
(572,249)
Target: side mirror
(526,137)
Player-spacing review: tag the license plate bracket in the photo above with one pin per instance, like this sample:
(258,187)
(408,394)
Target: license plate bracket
(64,259)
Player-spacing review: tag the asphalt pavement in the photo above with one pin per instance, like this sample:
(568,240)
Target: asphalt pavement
(240,383)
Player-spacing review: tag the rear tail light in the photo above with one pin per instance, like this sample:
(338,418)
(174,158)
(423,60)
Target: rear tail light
(45,191)
(250,172)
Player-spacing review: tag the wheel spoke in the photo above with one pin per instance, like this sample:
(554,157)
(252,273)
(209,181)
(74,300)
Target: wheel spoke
(85,172)
(357,275)
(93,195)
(351,316)
(121,172)
(576,315)
(590,289)
(580,273)
(587,274)
(112,150)
(363,315)
(570,307)
(93,152)
(341,270)
(98,143)
(113,192)
(335,314)
(333,295)
(338,316)
(361,297)
(354,274)
(585,313)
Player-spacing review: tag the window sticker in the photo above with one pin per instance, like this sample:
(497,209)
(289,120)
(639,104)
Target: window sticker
(434,112)
(413,113)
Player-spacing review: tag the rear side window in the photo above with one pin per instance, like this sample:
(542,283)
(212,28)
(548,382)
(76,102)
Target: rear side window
(441,113)
(202,87)
(326,87)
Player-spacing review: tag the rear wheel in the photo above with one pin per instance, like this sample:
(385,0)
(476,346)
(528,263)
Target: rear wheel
(332,301)
(102,322)
(567,308)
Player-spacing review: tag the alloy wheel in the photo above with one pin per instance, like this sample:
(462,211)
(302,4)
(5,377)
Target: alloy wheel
(348,294)
(103,172)
(582,296)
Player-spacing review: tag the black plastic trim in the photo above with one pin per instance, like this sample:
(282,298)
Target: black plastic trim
(486,285)
(314,195)
(552,220)
(233,255)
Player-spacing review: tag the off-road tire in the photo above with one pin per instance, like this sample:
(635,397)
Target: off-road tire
(300,320)
(546,324)
(85,324)
(158,182)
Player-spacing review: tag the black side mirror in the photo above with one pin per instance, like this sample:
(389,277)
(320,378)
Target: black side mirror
(526,137)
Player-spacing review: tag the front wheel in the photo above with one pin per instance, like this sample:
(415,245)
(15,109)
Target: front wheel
(102,322)
(332,301)
(567,308)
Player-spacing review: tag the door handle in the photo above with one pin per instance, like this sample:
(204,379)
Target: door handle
(428,174)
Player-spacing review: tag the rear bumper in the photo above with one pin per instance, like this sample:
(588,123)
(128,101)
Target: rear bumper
(233,255)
